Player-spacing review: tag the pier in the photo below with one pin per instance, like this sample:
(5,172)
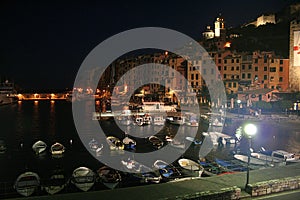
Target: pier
(41,96)
(105,115)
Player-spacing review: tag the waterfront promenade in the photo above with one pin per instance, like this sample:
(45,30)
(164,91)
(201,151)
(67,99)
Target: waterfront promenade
(186,188)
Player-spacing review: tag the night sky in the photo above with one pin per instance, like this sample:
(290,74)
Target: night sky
(42,43)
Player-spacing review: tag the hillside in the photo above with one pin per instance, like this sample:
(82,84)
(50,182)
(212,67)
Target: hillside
(269,37)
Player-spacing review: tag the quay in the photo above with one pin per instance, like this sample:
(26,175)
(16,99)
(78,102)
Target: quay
(105,115)
(263,182)
(41,96)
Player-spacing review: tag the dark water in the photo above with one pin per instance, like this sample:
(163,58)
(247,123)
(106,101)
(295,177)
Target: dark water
(24,123)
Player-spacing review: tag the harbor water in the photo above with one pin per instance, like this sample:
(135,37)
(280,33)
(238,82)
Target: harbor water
(26,122)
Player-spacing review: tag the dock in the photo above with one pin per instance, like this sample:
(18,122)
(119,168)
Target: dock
(228,186)
(106,115)
(40,97)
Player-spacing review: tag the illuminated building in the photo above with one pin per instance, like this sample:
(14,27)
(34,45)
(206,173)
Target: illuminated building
(294,70)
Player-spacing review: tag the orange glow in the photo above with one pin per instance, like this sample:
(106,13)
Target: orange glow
(36,102)
(228,44)
(166,53)
(52,101)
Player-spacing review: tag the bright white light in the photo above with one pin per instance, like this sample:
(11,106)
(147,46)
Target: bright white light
(238,101)
(250,129)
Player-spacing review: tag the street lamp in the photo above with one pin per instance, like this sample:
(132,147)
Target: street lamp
(250,130)
(238,102)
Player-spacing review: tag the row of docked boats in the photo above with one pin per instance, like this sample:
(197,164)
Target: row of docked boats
(56,149)
(129,143)
(84,178)
(268,158)
(157,120)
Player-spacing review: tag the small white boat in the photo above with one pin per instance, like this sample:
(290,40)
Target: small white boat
(129,143)
(178,143)
(124,120)
(114,143)
(83,178)
(95,146)
(109,177)
(191,165)
(276,156)
(193,140)
(178,120)
(27,183)
(57,149)
(132,166)
(168,138)
(253,161)
(139,121)
(39,147)
(158,121)
(216,123)
(56,183)
(156,141)
(218,138)
(147,119)
(192,121)
(166,170)
(150,177)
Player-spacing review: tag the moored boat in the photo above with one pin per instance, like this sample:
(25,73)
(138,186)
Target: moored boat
(139,121)
(156,141)
(83,178)
(132,166)
(39,147)
(129,143)
(57,149)
(147,119)
(178,143)
(253,161)
(95,146)
(177,120)
(216,123)
(191,165)
(158,121)
(276,156)
(114,143)
(230,166)
(218,138)
(7,93)
(150,177)
(193,140)
(27,183)
(166,170)
(109,177)
(56,183)
(192,120)
(142,172)
(124,120)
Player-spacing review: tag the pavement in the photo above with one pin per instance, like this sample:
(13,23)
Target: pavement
(173,190)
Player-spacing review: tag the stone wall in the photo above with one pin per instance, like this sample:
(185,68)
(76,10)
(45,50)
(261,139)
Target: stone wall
(224,194)
(273,186)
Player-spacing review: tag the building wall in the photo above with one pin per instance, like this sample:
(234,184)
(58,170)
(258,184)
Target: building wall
(264,19)
(294,69)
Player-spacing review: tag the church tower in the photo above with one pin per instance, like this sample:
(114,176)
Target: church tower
(294,69)
(220,27)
